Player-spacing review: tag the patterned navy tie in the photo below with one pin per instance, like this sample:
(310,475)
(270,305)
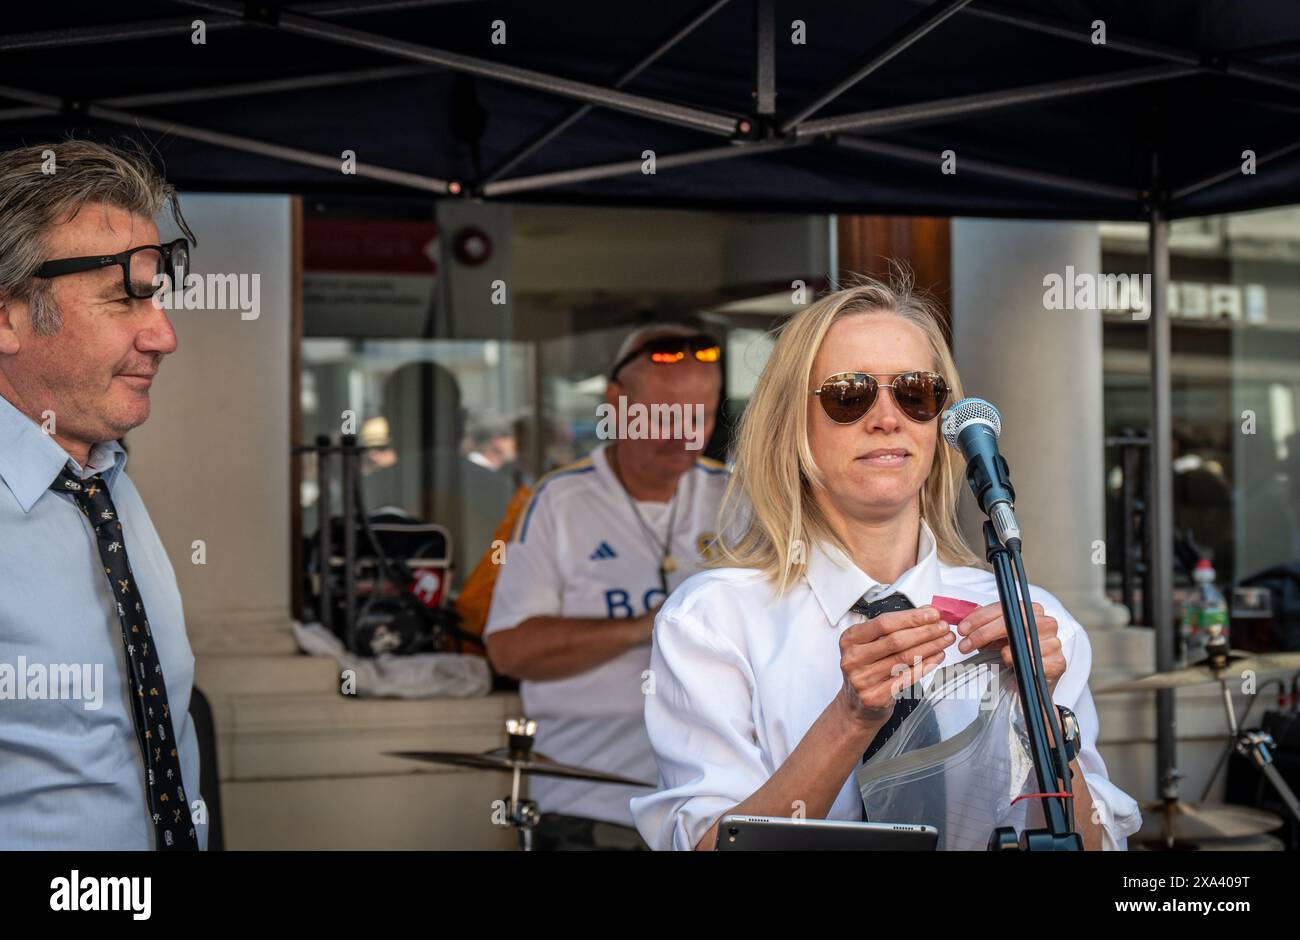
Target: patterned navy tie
(904,706)
(906,703)
(150,713)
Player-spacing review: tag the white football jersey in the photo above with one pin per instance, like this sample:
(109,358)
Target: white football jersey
(578,550)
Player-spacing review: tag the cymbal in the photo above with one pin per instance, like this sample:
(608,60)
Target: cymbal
(1245,844)
(1201,673)
(500,759)
(1196,822)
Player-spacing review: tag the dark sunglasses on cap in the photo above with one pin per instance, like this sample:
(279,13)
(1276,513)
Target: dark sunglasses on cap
(140,266)
(847,396)
(669,349)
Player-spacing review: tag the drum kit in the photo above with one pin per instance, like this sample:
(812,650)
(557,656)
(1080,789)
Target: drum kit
(1170,823)
(518,758)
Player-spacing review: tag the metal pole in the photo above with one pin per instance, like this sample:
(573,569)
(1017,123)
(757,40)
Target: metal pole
(654,109)
(352,7)
(349,476)
(116,32)
(833,251)
(1274,50)
(1232,172)
(765,58)
(694,118)
(1261,74)
(989,168)
(151,29)
(324,537)
(263,148)
(912,31)
(1078,30)
(1241,64)
(22,114)
(1162,496)
(541,140)
(963,106)
(518,184)
(327,162)
(152,99)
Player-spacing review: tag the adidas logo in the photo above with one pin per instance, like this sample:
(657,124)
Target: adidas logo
(603,551)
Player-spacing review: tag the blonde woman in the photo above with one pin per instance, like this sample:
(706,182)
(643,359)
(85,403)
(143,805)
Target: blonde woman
(769,685)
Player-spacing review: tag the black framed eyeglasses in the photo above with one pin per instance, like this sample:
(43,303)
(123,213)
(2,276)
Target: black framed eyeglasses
(847,396)
(140,266)
(669,349)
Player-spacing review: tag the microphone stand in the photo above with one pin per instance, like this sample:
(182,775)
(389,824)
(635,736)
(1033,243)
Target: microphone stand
(1050,763)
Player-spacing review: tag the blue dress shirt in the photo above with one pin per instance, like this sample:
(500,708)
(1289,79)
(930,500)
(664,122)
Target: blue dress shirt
(71,773)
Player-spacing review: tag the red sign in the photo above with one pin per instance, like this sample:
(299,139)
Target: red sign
(365,245)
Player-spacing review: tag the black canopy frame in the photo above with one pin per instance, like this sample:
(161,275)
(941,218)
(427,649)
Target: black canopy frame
(1264,35)
(760,131)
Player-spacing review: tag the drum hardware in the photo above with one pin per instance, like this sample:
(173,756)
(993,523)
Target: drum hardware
(1173,824)
(519,758)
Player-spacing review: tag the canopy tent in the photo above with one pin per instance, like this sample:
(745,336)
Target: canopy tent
(814,106)
(1081,109)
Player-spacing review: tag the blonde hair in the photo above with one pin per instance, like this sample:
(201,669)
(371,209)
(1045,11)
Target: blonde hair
(774,460)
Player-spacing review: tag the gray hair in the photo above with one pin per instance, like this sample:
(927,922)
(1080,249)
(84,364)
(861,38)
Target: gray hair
(43,184)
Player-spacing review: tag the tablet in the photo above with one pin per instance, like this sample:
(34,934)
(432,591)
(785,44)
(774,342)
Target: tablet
(776,834)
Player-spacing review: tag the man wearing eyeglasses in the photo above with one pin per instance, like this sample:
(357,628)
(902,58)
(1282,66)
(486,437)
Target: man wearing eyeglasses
(598,548)
(97,750)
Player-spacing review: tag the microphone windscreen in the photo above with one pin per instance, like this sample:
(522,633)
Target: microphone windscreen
(965,412)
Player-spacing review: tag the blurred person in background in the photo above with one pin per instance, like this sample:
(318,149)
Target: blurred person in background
(486,481)
(491,444)
(596,549)
(380,482)
(1202,499)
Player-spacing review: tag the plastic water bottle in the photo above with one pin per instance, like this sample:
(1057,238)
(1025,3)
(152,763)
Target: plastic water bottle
(1205,615)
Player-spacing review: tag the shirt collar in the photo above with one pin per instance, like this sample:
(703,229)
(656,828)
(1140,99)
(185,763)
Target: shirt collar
(838,583)
(600,460)
(30,459)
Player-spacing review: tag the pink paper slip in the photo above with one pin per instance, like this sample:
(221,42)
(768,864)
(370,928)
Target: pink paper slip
(951,609)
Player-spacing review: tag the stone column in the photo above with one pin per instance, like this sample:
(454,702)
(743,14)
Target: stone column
(213,459)
(1043,370)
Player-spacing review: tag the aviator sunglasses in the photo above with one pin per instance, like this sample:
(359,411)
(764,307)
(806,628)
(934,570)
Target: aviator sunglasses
(847,396)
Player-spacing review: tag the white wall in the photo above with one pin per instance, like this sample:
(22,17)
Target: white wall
(212,460)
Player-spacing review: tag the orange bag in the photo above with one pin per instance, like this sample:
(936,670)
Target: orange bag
(476,594)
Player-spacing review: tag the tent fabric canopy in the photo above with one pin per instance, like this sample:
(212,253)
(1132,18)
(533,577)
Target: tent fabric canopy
(1041,120)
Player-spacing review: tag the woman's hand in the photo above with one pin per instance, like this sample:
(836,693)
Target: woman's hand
(881,657)
(984,627)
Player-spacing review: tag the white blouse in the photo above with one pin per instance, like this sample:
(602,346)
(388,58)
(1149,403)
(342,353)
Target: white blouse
(738,676)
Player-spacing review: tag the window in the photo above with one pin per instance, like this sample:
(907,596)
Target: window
(470,344)
(1234,306)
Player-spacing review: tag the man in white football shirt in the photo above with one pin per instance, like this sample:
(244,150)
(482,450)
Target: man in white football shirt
(598,548)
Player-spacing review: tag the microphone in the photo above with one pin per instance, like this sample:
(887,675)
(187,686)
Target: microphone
(973,426)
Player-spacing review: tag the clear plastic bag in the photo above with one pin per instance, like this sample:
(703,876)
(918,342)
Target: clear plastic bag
(959,760)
